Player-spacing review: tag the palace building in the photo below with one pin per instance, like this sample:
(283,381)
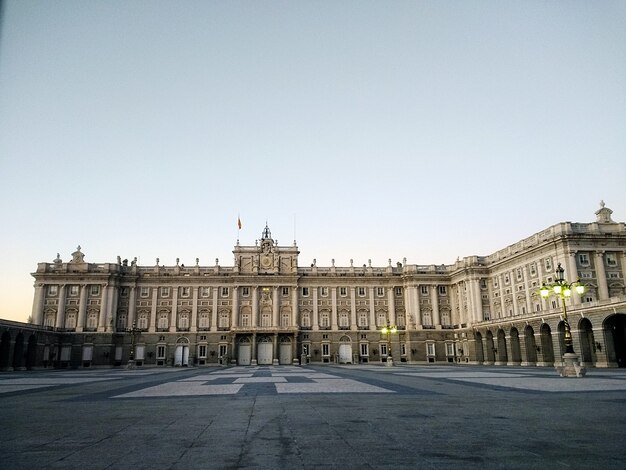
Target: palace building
(267,309)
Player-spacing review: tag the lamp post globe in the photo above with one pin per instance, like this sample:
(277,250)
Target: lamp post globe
(563,289)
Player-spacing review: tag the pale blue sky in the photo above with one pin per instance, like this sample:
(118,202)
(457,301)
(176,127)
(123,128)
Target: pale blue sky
(425,130)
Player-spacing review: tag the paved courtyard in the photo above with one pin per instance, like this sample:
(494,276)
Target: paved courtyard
(313,417)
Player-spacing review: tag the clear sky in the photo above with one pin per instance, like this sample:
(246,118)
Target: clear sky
(429,130)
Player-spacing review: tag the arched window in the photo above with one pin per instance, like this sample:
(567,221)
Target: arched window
(92,320)
(362,319)
(162,323)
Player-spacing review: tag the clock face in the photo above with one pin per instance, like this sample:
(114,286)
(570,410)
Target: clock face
(266,261)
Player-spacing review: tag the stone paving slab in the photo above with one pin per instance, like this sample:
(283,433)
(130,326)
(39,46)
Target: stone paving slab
(410,417)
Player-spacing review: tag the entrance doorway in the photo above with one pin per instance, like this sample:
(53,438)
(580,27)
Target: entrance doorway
(285,356)
(345,350)
(244,356)
(264,351)
(181,356)
(615,337)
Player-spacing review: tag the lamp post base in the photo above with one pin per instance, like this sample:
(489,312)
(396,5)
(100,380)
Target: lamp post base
(131,364)
(571,367)
(389,362)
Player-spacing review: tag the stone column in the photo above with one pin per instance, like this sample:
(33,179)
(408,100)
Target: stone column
(529,307)
(353,308)
(104,306)
(214,325)
(603,288)
(391,304)
(173,326)
(235,311)
(254,321)
(132,307)
(253,359)
(434,300)
(316,319)
(153,310)
(194,309)
(60,319)
(372,325)
(38,303)
(416,305)
(111,324)
(275,308)
(82,308)
(572,276)
(294,306)
(333,295)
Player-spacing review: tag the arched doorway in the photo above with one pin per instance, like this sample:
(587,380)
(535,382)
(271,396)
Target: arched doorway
(502,354)
(478,341)
(561,334)
(615,339)
(31,353)
(547,348)
(516,350)
(18,352)
(5,350)
(491,348)
(181,354)
(585,330)
(345,350)
(284,353)
(244,352)
(531,345)
(264,351)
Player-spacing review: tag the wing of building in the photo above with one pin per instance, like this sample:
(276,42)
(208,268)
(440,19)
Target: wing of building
(266,309)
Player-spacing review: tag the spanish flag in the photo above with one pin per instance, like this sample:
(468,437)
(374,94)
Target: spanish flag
(238,223)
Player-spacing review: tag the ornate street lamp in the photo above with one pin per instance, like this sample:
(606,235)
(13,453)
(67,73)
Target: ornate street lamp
(387,330)
(133,331)
(562,288)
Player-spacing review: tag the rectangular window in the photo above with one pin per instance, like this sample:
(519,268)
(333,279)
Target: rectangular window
(204,292)
(424,290)
(403,349)
(449,349)
(305,292)
(160,352)
(202,350)
(165,291)
(223,349)
(365,349)
(53,290)
(73,290)
(380,291)
(224,291)
(483,284)
(325,349)
(611,260)
(306,349)
(245,291)
(361,291)
(185,291)
(383,349)
(533,269)
(548,264)
(519,274)
(145,292)
(443,290)
(123,291)
(285,291)
(343,292)
(398,291)
(583,259)
(95,290)
(324,291)
(430,349)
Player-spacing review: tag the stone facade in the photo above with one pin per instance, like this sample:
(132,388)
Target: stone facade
(266,309)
